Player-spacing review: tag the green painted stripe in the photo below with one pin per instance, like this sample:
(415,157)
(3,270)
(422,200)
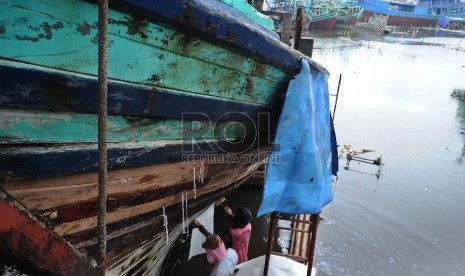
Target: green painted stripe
(27,126)
(139,51)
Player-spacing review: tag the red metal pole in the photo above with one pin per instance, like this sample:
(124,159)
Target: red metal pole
(314,218)
(269,245)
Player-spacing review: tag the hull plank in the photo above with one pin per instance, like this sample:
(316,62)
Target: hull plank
(44,88)
(77,189)
(210,21)
(158,63)
(63,127)
(18,163)
(124,213)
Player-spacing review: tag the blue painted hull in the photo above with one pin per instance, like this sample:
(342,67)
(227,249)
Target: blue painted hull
(424,13)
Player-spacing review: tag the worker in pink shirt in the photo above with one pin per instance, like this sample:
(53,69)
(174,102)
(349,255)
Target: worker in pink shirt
(238,236)
(220,262)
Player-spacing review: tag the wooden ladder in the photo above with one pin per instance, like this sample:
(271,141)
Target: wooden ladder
(303,237)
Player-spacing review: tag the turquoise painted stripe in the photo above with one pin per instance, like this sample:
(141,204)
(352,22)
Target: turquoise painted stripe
(27,126)
(139,51)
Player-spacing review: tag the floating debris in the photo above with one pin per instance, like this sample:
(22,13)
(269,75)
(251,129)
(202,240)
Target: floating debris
(353,155)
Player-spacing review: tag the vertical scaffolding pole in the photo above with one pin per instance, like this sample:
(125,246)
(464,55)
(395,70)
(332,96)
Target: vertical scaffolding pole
(298,27)
(102,133)
(337,95)
(269,246)
(314,219)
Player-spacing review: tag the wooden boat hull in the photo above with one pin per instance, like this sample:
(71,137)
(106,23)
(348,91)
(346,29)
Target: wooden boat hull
(413,13)
(350,13)
(136,239)
(403,21)
(325,24)
(349,21)
(194,95)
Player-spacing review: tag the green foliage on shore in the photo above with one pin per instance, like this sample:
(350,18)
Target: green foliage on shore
(458,94)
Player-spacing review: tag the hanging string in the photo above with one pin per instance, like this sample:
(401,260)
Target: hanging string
(195,187)
(330,212)
(187,217)
(165,223)
(201,174)
(183,217)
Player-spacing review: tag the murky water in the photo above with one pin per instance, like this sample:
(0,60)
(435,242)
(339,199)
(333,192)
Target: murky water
(395,99)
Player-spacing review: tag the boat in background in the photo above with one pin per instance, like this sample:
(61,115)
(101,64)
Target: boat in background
(350,12)
(187,80)
(322,14)
(414,13)
(318,14)
(451,23)
(376,24)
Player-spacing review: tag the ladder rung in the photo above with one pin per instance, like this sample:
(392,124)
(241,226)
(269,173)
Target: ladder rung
(297,220)
(308,243)
(294,219)
(292,229)
(297,258)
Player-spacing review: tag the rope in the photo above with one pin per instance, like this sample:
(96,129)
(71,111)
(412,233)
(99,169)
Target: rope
(102,133)
(187,217)
(201,174)
(195,187)
(165,223)
(330,211)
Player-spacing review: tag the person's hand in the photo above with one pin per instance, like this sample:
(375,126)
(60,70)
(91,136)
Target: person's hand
(228,211)
(196,224)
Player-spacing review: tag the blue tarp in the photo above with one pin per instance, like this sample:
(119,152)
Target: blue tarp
(299,182)
(443,22)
